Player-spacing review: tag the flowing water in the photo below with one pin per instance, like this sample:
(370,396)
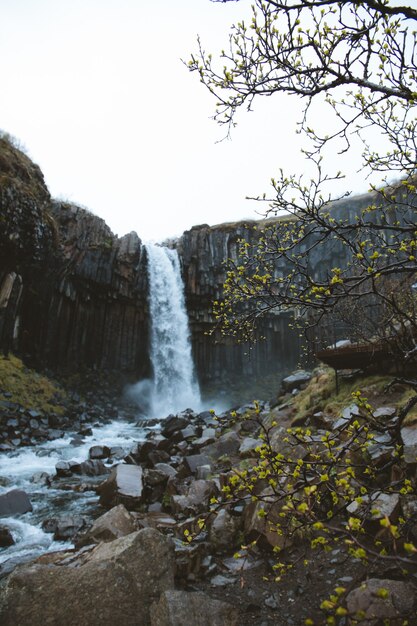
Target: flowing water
(173,387)
(17,470)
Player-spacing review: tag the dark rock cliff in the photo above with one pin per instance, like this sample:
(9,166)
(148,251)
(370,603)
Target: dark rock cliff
(71,293)
(204,250)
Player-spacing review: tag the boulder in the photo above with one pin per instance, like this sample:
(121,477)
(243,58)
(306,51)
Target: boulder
(116,523)
(6,537)
(381,599)
(92,467)
(226,445)
(172,424)
(14,502)
(177,608)
(194,461)
(296,380)
(263,526)
(99,452)
(116,583)
(409,437)
(64,527)
(223,531)
(123,486)
(197,498)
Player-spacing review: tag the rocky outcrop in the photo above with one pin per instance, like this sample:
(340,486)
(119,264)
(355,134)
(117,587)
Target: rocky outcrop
(114,584)
(204,250)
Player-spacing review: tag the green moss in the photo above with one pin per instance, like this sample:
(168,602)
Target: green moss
(29,388)
(320,394)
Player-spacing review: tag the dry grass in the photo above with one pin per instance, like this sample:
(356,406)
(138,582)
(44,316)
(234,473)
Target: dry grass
(320,394)
(28,388)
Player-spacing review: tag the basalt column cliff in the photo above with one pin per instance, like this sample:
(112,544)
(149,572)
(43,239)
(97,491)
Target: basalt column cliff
(72,294)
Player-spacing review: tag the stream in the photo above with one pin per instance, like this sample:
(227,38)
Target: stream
(18,468)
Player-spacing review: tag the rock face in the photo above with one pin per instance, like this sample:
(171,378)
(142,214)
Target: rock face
(73,294)
(203,251)
(116,584)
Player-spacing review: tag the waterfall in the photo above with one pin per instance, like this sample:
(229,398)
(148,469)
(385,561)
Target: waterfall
(174,386)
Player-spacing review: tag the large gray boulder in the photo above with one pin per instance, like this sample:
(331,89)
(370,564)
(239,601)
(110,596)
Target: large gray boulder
(182,608)
(116,583)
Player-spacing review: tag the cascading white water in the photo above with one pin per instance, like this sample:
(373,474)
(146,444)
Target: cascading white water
(174,386)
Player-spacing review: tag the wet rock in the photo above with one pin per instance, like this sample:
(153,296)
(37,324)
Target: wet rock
(115,583)
(41,478)
(91,468)
(14,502)
(172,424)
(368,600)
(116,523)
(124,486)
(63,469)
(176,608)
(99,452)
(64,527)
(6,537)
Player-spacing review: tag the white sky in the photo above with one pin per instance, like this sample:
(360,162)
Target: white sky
(96,92)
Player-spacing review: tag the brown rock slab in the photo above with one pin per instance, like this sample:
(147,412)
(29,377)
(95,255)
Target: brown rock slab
(116,583)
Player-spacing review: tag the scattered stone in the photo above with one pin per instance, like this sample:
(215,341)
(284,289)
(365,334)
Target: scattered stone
(409,437)
(6,537)
(64,527)
(177,608)
(226,445)
(381,599)
(222,581)
(99,452)
(14,502)
(63,469)
(116,523)
(172,424)
(296,380)
(124,486)
(197,498)
(223,531)
(248,447)
(194,461)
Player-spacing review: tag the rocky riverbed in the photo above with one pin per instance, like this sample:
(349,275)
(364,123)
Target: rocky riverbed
(123,501)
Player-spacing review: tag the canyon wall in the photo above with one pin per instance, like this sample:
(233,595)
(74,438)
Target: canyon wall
(72,294)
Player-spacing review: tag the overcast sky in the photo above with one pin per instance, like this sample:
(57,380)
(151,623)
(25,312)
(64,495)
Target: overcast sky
(96,92)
